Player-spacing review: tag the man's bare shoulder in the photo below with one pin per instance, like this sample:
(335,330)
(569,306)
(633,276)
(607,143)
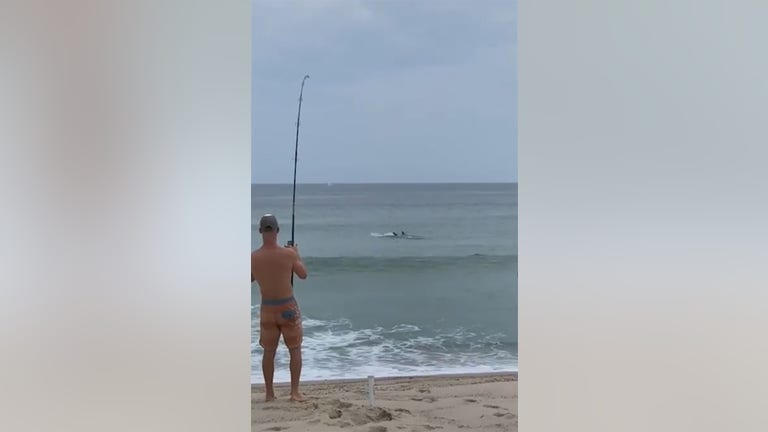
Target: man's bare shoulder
(276,251)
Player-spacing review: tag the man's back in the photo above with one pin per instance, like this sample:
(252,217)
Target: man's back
(271,267)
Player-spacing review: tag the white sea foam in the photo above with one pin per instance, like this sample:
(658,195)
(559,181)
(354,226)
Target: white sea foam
(335,350)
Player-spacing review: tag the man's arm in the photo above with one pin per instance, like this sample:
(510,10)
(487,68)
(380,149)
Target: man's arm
(253,278)
(298,265)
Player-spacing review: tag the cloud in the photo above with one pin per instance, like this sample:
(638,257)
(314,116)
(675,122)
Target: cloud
(295,24)
(355,39)
(432,80)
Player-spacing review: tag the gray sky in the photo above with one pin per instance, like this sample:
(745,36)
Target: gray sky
(400,91)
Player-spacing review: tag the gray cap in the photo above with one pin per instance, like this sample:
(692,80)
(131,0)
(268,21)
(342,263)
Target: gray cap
(268,223)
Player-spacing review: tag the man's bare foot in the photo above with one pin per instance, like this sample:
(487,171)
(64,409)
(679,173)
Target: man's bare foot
(269,398)
(298,397)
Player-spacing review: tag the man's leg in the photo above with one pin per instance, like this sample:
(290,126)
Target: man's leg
(293,333)
(268,339)
(295,373)
(268,368)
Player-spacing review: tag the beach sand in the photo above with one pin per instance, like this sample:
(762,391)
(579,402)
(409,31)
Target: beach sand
(445,403)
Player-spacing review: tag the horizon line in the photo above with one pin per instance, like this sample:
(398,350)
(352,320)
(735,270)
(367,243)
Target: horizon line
(383,183)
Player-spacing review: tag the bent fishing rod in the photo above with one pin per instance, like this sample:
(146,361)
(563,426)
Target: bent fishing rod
(295,161)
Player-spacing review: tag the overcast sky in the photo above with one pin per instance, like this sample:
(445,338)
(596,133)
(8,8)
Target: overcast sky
(400,91)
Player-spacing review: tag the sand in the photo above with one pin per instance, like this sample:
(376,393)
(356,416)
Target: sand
(445,403)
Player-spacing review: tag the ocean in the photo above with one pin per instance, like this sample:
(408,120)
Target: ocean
(441,300)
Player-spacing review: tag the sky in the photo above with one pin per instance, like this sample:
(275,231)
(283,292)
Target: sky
(399,91)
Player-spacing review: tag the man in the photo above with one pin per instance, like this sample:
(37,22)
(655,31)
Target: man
(272,267)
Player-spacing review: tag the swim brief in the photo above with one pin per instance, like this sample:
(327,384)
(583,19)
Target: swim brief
(280,317)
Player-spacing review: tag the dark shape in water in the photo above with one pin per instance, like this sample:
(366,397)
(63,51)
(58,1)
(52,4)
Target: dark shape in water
(393,234)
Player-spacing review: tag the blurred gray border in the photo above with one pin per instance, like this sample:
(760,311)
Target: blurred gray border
(643,199)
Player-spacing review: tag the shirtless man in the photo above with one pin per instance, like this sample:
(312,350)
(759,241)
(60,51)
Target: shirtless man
(272,267)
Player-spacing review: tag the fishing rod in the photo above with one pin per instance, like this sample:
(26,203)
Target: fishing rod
(295,161)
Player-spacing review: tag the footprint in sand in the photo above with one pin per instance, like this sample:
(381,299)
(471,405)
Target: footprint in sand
(429,399)
(276,428)
(340,404)
(492,406)
(370,415)
(273,407)
(379,414)
(470,400)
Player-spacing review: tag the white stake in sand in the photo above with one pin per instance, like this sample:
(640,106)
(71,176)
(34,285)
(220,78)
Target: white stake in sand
(370,391)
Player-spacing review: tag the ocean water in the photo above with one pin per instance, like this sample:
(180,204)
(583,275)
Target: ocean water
(444,301)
